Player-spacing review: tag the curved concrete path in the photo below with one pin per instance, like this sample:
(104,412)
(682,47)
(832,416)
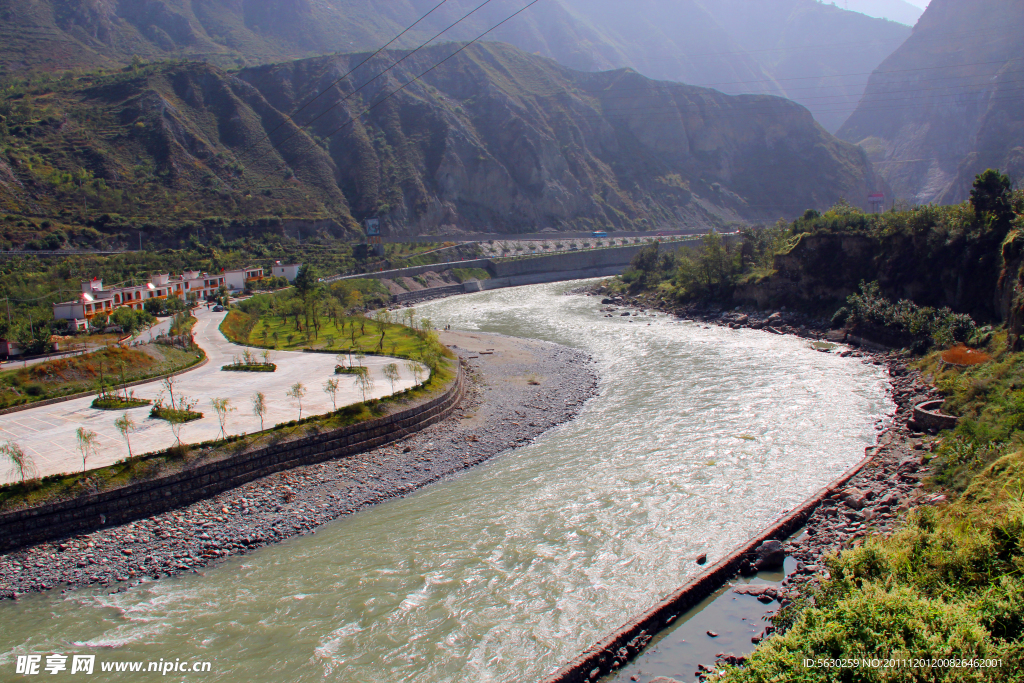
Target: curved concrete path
(47,433)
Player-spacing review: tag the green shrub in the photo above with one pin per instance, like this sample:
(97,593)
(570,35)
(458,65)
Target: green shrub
(907,318)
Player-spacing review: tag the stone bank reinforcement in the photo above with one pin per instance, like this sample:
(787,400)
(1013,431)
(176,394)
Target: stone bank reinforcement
(126,504)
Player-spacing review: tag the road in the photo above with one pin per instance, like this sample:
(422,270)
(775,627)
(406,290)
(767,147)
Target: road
(47,433)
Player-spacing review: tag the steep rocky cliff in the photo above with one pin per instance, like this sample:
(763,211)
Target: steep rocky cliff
(946,105)
(496,139)
(508,141)
(933,257)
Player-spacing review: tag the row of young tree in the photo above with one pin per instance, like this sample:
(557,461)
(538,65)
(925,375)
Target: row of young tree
(178,410)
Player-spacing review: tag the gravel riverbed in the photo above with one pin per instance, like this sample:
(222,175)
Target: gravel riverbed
(518,390)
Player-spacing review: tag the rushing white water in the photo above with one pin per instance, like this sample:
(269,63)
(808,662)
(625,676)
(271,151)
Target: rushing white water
(699,437)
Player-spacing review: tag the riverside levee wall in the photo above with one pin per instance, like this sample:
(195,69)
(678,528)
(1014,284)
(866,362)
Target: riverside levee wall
(527,270)
(109,508)
(573,265)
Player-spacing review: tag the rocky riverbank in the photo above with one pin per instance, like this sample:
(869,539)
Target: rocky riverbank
(874,501)
(519,389)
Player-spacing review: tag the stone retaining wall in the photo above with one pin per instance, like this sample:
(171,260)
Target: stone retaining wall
(929,415)
(430,293)
(597,660)
(59,520)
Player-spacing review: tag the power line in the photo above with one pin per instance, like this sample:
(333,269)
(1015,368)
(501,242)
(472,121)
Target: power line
(353,119)
(352,94)
(351,71)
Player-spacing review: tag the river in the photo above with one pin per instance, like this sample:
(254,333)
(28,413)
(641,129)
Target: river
(698,438)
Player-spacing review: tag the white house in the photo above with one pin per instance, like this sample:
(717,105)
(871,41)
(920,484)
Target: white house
(9,349)
(237,279)
(288,272)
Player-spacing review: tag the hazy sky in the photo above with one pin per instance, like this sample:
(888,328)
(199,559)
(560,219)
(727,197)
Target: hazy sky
(923,4)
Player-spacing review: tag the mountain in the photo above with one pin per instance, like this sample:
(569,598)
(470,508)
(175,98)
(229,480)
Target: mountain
(816,54)
(946,105)
(495,140)
(899,11)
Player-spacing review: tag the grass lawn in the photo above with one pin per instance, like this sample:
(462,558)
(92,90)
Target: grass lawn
(88,372)
(355,333)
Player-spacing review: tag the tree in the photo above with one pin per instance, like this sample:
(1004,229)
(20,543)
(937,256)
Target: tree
(122,366)
(179,415)
(20,461)
(991,195)
(392,375)
(714,261)
(222,406)
(259,406)
(381,321)
(297,392)
(416,369)
(307,287)
(168,385)
(364,383)
(331,389)
(86,444)
(126,425)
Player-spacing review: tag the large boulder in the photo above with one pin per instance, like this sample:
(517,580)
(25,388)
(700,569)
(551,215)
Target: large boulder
(770,555)
(854,498)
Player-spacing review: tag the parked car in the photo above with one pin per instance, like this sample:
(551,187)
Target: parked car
(218,309)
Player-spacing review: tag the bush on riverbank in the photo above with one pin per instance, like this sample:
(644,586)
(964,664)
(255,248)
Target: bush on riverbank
(904,321)
(948,585)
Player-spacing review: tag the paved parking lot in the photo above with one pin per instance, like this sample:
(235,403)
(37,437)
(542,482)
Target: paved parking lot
(47,433)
